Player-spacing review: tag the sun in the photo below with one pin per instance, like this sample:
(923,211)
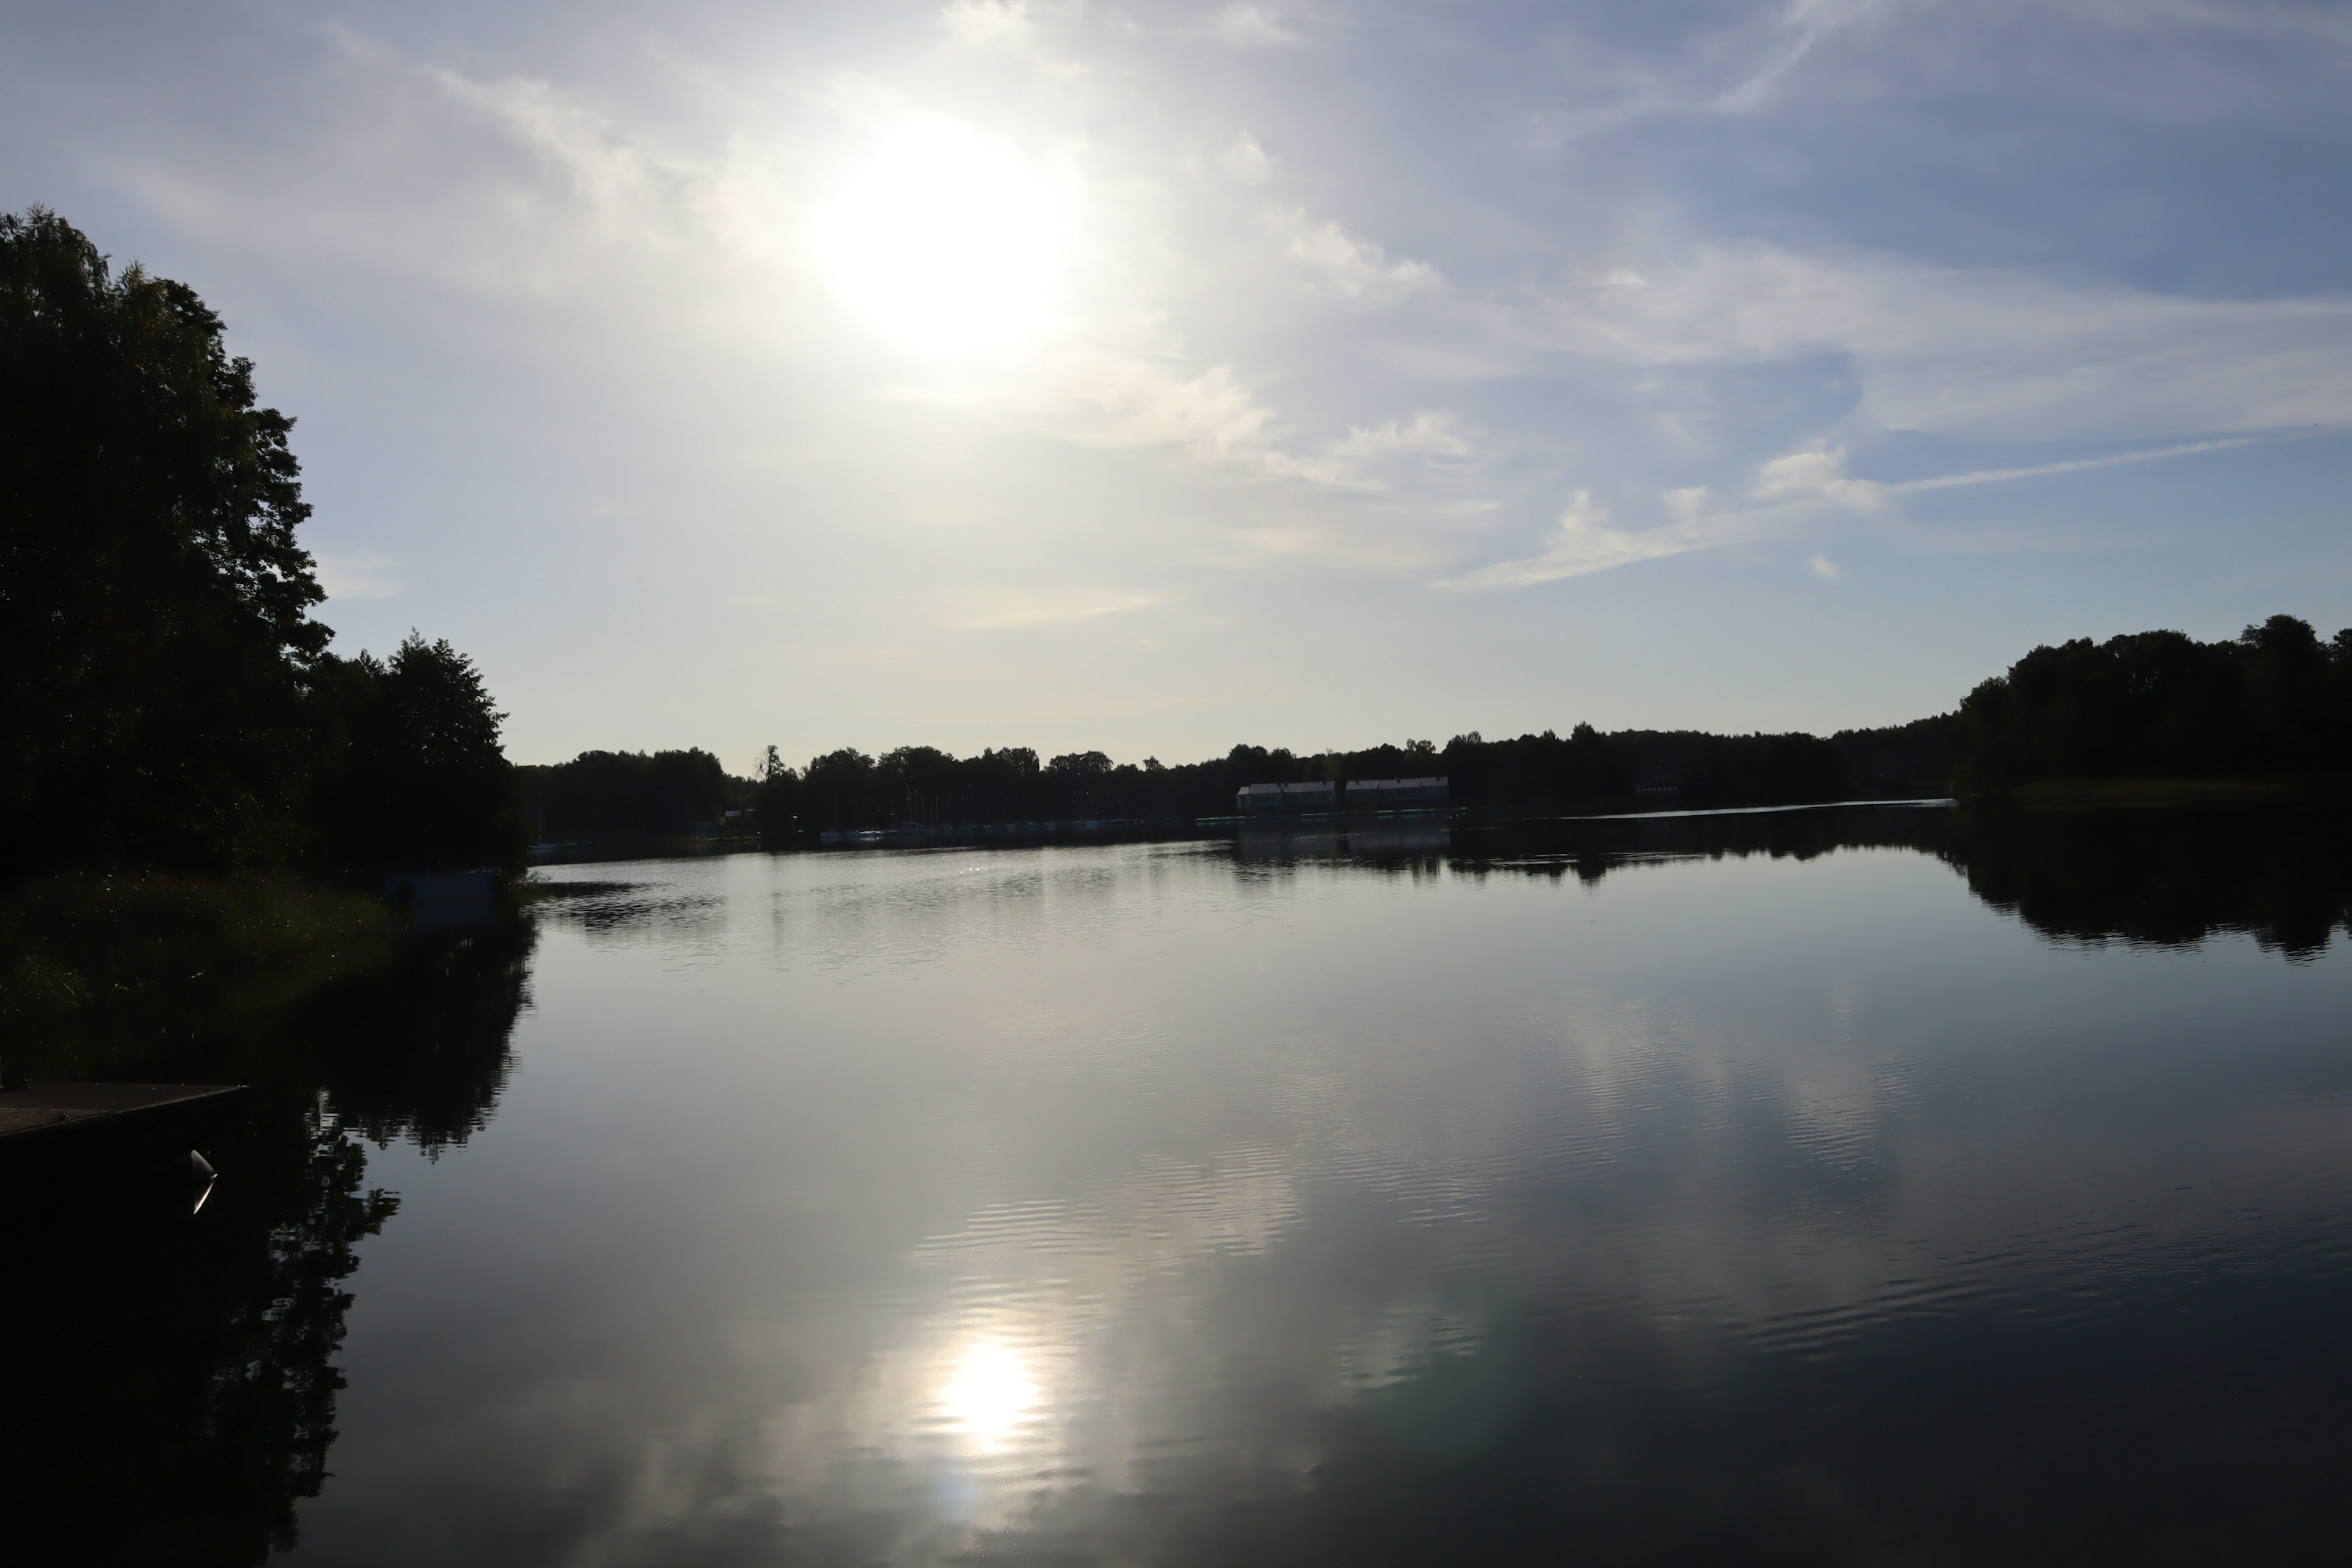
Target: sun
(947,241)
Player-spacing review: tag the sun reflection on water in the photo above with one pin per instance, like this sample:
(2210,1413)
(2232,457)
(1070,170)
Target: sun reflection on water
(989,1395)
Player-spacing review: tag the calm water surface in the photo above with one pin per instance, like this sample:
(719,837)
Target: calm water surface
(1808,1190)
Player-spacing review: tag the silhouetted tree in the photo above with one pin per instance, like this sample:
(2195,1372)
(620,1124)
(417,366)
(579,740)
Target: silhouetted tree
(630,794)
(2273,702)
(420,781)
(776,800)
(154,605)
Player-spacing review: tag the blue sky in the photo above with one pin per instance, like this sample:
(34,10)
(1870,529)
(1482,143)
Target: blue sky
(1152,378)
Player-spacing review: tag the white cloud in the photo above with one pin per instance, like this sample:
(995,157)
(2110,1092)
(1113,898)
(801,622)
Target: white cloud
(1824,568)
(1686,503)
(1429,434)
(1788,489)
(1132,401)
(1249,28)
(1742,69)
(975,24)
(1246,161)
(1816,473)
(1351,267)
(1802,27)
(1988,355)
(1584,544)
(1138,400)
(617,176)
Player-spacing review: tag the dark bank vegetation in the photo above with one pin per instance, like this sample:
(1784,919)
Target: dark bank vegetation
(2274,703)
(184,761)
(1584,770)
(606,795)
(2154,716)
(167,949)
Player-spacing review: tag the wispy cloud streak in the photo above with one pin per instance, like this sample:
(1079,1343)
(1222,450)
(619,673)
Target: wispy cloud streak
(1584,544)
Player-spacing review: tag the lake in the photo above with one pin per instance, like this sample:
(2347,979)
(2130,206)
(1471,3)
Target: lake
(1868,1184)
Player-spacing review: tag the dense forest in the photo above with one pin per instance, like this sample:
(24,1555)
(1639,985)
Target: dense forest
(2275,703)
(608,795)
(171,702)
(1582,771)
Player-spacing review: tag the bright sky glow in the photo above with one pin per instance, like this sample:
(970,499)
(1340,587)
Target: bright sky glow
(946,241)
(985,372)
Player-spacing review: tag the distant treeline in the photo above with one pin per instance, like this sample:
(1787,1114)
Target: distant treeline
(2275,702)
(604,795)
(1583,770)
(610,794)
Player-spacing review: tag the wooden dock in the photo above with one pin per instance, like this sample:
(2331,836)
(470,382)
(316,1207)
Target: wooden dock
(65,1145)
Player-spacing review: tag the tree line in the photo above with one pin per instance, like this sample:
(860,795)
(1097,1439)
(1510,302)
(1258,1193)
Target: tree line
(2273,702)
(171,701)
(848,791)
(607,795)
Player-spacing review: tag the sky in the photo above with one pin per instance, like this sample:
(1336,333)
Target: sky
(1152,378)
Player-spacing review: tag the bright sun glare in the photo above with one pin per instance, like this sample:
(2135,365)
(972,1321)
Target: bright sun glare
(948,242)
(989,1392)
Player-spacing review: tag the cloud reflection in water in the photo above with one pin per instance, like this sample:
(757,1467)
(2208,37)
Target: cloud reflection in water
(1142,1202)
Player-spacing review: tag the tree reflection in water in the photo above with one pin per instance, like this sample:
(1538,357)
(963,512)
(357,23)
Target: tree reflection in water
(2164,879)
(171,1387)
(2152,878)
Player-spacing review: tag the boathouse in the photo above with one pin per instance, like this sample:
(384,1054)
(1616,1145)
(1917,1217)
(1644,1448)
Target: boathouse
(1396,795)
(1253,800)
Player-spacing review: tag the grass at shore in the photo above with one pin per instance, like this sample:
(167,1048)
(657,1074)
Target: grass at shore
(89,966)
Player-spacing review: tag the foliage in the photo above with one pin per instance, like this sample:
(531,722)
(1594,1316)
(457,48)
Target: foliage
(849,791)
(154,605)
(629,794)
(417,779)
(172,704)
(157,948)
(776,801)
(2275,702)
